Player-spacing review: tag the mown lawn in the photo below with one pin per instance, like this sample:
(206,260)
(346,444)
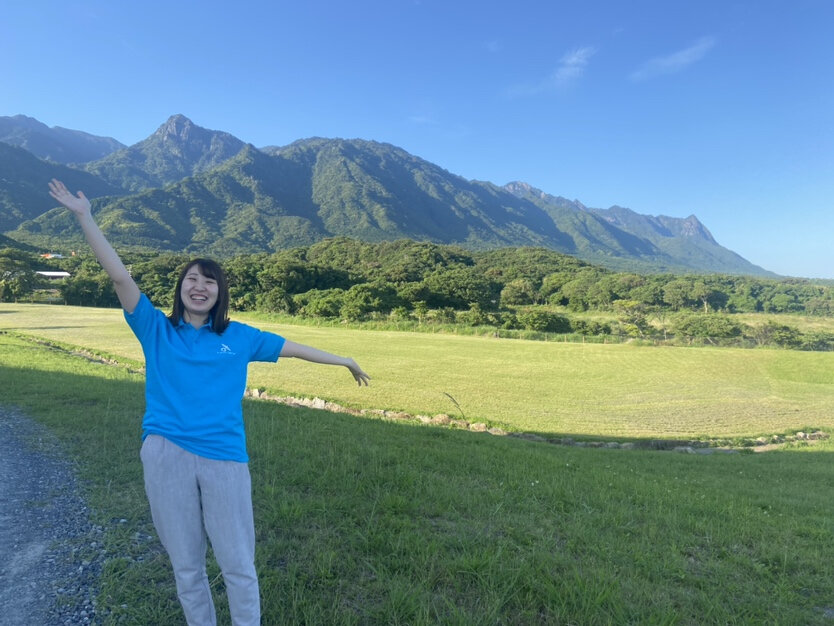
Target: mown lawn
(622,391)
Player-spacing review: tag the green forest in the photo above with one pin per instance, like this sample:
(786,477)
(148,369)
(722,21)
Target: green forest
(514,292)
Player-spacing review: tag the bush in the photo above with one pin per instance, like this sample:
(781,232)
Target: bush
(707,326)
(544,321)
(590,327)
(320,303)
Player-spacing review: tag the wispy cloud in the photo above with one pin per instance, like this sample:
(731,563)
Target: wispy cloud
(675,62)
(571,67)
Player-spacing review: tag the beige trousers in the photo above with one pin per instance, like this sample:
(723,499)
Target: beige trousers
(192,497)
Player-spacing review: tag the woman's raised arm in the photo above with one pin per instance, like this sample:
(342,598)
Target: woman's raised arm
(126,289)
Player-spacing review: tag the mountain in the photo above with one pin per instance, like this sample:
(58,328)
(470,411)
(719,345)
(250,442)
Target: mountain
(8,242)
(206,192)
(23,185)
(61,145)
(622,239)
(376,191)
(179,148)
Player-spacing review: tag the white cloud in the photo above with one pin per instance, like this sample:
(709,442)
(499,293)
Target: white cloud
(674,62)
(571,67)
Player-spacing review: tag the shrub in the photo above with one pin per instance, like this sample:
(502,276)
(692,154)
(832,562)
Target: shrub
(544,321)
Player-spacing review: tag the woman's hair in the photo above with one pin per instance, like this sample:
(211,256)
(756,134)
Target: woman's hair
(219,314)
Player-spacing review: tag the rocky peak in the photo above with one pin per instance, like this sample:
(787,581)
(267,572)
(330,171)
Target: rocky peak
(177,127)
(692,227)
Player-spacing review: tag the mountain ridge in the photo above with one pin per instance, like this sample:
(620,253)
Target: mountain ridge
(61,145)
(186,188)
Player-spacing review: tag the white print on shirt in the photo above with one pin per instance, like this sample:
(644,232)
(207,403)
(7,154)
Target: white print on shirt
(224,349)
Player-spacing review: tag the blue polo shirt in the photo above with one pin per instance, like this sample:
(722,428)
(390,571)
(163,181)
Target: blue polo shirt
(195,379)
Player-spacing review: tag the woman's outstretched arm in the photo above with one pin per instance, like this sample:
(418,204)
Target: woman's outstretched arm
(314,355)
(126,289)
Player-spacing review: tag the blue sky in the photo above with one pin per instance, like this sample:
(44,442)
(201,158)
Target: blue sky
(716,108)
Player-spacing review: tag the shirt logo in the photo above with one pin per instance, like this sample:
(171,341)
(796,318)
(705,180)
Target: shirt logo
(224,349)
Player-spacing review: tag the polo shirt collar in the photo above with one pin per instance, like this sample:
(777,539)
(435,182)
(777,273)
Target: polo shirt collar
(207,325)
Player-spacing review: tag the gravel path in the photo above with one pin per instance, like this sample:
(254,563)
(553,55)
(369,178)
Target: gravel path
(46,539)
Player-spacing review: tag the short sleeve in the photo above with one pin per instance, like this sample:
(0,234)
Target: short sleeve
(143,318)
(265,346)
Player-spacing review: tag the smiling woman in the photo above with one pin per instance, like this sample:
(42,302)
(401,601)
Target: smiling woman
(202,285)
(194,444)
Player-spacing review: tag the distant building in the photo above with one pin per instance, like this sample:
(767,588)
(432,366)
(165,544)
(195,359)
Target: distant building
(50,255)
(54,275)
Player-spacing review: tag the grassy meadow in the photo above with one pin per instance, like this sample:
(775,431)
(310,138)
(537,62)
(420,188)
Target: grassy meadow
(594,390)
(367,521)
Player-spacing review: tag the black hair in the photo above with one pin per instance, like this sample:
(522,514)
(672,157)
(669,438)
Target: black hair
(219,314)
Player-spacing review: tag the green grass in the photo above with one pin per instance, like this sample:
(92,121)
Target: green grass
(593,390)
(363,521)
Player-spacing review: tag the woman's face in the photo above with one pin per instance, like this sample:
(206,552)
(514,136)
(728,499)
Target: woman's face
(199,294)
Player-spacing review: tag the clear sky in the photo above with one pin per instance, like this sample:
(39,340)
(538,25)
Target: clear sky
(719,108)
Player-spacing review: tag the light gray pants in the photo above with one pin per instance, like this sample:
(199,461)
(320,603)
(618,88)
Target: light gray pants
(191,497)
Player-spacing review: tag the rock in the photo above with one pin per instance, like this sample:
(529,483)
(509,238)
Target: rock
(441,419)
(478,427)
(500,432)
(684,449)
(530,437)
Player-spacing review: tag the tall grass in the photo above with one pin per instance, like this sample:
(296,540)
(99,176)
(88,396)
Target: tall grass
(364,521)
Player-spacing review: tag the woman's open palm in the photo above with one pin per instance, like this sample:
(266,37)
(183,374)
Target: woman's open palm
(77,204)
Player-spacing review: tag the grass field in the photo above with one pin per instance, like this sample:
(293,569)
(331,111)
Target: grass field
(363,521)
(594,390)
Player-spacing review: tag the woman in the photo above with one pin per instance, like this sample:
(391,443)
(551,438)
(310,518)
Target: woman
(194,449)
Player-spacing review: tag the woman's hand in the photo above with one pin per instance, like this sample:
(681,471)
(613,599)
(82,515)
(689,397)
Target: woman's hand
(79,204)
(359,376)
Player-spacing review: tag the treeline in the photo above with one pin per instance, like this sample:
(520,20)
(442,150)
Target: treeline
(512,289)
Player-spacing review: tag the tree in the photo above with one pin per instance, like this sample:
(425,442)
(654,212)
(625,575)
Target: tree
(17,278)
(317,303)
(275,300)
(362,299)
(676,293)
(458,288)
(518,291)
(632,317)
